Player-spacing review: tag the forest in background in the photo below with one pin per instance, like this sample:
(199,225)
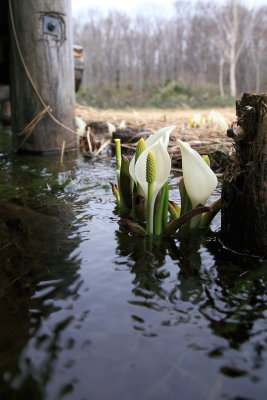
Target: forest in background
(206,55)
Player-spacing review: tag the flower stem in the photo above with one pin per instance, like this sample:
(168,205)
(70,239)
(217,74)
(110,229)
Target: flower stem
(150,178)
(118,158)
(150,208)
(207,217)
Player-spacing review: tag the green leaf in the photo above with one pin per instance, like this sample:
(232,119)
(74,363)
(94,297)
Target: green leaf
(165,206)
(161,210)
(125,183)
(186,204)
(174,210)
(115,190)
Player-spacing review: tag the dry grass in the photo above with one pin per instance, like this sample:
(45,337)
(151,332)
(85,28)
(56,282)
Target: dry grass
(206,139)
(149,118)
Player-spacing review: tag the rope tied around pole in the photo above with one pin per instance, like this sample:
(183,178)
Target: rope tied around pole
(31,125)
(46,108)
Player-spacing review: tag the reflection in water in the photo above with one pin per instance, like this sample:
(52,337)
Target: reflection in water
(47,277)
(230,297)
(239,301)
(147,262)
(37,240)
(149,257)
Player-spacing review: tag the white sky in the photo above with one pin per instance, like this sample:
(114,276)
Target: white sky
(129,6)
(79,7)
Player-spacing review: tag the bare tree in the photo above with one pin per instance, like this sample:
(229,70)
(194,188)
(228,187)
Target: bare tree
(258,43)
(231,29)
(221,85)
(197,45)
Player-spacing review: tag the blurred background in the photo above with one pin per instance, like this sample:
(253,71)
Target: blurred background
(170,53)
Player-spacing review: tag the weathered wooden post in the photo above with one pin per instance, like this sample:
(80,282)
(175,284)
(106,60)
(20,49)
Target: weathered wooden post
(42,74)
(244,190)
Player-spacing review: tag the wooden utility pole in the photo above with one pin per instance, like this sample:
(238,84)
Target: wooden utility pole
(41,74)
(244,190)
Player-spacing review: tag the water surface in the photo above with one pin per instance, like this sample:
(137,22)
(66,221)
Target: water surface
(90,312)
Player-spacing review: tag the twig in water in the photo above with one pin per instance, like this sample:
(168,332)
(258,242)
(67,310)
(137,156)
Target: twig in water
(62,152)
(89,140)
(105,144)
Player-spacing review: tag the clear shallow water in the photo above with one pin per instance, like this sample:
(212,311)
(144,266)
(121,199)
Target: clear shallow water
(89,312)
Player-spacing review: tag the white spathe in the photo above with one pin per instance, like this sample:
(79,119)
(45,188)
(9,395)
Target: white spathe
(163,133)
(200,181)
(81,126)
(111,128)
(217,120)
(163,169)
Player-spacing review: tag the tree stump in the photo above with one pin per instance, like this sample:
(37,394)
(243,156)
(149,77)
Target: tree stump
(44,35)
(244,189)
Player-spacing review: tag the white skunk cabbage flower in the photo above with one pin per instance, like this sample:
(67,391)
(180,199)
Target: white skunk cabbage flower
(196,121)
(163,168)
(111,128)
(122,125)
(163,133)
(81,125)
(200,181)
(217,120)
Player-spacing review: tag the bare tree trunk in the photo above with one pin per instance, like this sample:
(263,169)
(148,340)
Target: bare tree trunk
(244,190)
(221,64)
(258,80)
(232,78)
(233,59)
(117,78)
